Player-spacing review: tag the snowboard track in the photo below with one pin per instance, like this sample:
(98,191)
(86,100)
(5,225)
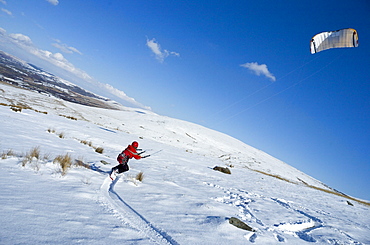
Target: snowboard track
(131,217)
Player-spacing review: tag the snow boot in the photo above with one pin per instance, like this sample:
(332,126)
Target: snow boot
(113,174)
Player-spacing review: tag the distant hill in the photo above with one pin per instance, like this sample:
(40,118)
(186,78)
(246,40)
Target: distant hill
(19,73)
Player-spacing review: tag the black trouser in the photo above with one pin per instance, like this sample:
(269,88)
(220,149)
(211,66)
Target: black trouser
(122,167)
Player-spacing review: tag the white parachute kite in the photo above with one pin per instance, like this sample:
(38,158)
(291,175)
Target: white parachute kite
(344,38)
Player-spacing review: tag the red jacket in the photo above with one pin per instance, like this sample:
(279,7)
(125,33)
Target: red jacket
(131,152)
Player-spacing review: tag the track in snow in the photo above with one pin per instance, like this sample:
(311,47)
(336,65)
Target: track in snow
(131,216)
(251,206)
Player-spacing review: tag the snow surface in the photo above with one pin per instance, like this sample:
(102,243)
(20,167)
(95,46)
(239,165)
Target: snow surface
(181,200)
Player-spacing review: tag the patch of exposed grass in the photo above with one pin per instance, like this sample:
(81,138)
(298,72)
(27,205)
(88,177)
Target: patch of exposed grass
(99,150)
(32,158)
(16,109)
(20,107)
(65,162)
(69,117)
(50,130)
(140,176)
(33,154)
(275,176)
(43,112)
(85,142)
(61,135)
(7,154)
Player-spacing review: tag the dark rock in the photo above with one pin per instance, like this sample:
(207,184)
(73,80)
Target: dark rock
(240,224)
(222,169)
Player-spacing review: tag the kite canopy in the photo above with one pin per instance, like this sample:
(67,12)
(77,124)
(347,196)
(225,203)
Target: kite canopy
(344,38)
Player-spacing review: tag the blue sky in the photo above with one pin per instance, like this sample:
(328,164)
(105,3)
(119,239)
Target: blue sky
(240,67)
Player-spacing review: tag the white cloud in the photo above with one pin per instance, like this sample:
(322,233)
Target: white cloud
(54,2)
(156,49)
(21,39)
(65,48)
(259,70)
(122,95)
(7,12)
(3,2)
(57,59)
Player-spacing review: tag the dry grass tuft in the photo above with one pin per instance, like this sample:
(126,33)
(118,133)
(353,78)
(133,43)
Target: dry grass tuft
(65,162)
(275,176)
(140,176)
(7,154)
(69,117)
(51,130)
(85,142)
(19,107)
(33,154)
(16,109)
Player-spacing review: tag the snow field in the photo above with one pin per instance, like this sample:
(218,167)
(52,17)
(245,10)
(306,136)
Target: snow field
(181,199)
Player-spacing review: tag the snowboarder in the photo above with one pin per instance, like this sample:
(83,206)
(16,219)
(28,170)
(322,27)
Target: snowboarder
(124,156)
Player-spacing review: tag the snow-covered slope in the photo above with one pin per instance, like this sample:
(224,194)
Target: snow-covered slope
(181,199)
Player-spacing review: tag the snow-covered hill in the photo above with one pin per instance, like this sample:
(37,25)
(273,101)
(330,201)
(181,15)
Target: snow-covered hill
(22,74)
(181,199)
